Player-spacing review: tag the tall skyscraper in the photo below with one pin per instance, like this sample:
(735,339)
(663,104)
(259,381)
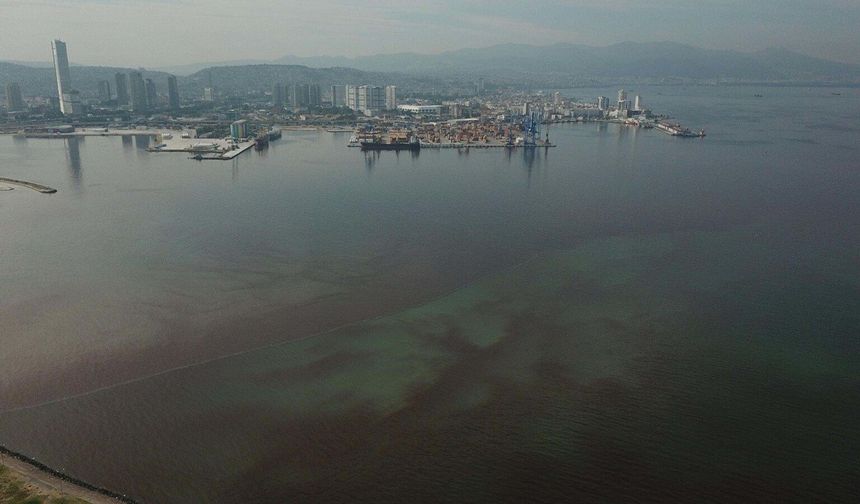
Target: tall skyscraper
(121,89)
(352,97)
(209,94)
(151,95)
(138,92)
(14,100)
(314,95)
(300,95)
(338,95)
(104,91)
(371,99)
(602,103)
(278,95)
(390,97)
(69,102)
(637,103)
(173,93)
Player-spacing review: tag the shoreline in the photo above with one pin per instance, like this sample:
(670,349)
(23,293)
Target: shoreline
(49,480)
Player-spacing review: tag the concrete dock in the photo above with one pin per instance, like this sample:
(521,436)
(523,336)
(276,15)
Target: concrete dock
(31,185)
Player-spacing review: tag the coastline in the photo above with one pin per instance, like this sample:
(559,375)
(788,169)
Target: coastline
(49,482)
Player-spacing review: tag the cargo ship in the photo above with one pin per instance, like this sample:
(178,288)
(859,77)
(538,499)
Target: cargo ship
(677,130)
(360,137)
(395,140)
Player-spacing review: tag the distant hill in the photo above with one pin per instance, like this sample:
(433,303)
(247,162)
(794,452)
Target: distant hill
(257,77)
(185,70)
(40,81)
(617,61)
(554,65)
(228,79)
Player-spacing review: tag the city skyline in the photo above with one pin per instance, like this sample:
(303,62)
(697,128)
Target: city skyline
(100,29)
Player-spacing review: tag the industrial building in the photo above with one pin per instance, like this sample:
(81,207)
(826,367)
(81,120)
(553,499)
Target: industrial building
(421,109)
(239,130)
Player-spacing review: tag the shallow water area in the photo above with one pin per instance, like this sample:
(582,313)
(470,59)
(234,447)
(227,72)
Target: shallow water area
(628,316)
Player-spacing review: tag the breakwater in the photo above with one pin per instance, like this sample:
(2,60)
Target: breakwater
(31,185)
(65,477)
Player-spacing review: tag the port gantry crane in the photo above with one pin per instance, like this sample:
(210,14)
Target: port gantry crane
(531,126)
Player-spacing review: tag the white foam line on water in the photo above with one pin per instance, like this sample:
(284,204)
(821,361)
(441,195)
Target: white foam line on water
(251,350)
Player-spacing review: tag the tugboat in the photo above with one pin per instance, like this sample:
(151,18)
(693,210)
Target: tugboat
(397,140)
(262,140)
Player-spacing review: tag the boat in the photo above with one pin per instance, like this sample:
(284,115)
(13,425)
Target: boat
(677,130)
(359,137)
(262,141)
(275,134)
(396,140)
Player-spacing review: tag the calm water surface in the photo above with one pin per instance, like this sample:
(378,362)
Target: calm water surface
(627,317)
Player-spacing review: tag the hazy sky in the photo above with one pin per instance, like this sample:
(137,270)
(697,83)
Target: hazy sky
(153,33)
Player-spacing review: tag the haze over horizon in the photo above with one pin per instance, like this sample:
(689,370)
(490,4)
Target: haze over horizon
(157,33)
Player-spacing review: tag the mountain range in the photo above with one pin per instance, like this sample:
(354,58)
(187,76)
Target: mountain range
(553,65)
(622,60)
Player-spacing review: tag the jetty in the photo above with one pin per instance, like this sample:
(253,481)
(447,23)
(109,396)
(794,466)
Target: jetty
(31,185)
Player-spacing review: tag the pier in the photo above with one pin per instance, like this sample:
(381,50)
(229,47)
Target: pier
(31,185)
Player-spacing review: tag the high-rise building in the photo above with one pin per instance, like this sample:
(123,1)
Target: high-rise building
(479,86)
(300,95)
(314,95)
(172,93)
(104,91)
(14,100)
(371,99)
(151,95)
(390,97)
(138,93)
(121,89)
(209,94)
(623,104)
(602,103)
(352,97)
(69,102)
(278,95)
(556,98)
(338,95)
(637,103)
